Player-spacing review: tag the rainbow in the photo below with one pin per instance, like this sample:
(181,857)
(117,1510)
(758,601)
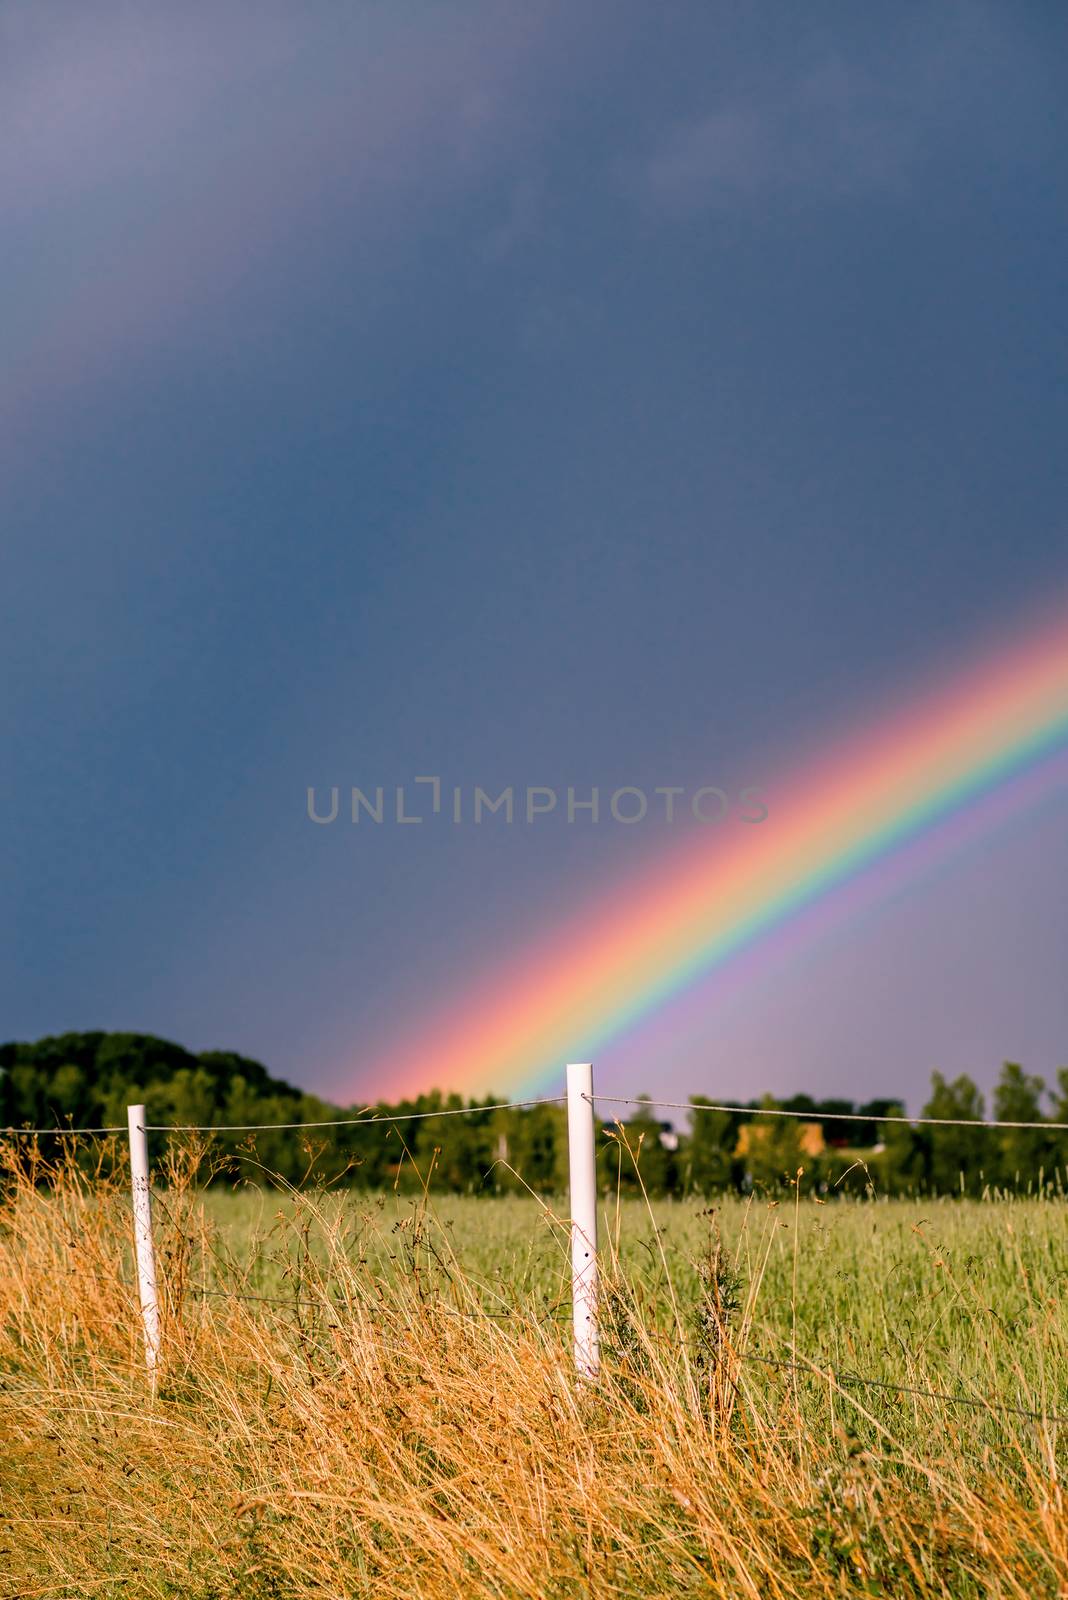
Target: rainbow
(925,774)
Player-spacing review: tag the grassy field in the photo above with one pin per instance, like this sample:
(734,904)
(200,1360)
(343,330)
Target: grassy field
(395,1413)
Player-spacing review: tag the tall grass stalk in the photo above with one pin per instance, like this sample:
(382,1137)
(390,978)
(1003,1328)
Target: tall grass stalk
(397,1417)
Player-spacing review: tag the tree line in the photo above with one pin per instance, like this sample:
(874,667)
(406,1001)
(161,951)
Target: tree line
(88,1079)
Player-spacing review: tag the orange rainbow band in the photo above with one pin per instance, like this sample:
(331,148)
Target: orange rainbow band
(659,930)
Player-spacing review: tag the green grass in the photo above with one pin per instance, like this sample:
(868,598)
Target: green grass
(966,1297)
(398,1414)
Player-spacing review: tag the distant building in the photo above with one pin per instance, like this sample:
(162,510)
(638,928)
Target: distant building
(809,1136)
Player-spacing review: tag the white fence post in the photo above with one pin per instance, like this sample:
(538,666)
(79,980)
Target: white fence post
(144,1244)
(582,1162)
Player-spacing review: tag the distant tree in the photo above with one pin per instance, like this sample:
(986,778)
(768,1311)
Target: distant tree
(868,1133)
(959,1160)
(466,1146)
(1059,1141)
(632,1157)
(1023,1153)
(901,1166)
(68,1094)
(89,1079)
(773,1151)
(536,1147)
(709,1162)
(841,1133)
(27,1097)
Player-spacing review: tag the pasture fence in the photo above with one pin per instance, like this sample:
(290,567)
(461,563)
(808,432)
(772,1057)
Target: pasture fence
(581,1102)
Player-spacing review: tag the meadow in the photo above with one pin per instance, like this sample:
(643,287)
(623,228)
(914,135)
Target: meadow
(374,1396)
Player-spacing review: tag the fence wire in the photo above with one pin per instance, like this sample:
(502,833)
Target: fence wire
(28,1133)
(352,1122)
(288,1127)
(335,1307)
(810,1369)
(691,1106)
(820,1116)
(845,1378)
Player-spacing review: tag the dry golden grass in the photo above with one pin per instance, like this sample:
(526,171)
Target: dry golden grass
(384,1435)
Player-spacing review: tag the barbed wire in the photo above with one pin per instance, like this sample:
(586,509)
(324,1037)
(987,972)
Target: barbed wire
(61,1131)
(814,1371)
(325,1304)
(820,1116)
(809,1369)
(322,1303)
(352,1122)
(289,1301)
(813,1115)
(285,1127)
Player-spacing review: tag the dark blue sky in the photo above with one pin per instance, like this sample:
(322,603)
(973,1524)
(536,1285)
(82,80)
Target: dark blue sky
(550,394)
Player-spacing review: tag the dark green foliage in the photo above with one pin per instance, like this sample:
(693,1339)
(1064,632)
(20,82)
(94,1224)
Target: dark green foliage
(88,1080)
(710,1164)
(959,1160)
(636,1154)
(775,1154)
(1022,1153)
(899,1166)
